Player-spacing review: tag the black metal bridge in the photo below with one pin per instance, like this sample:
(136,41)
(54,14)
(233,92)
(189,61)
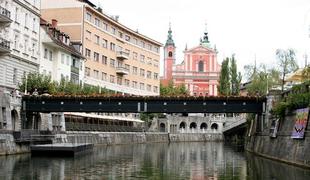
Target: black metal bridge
(150,104)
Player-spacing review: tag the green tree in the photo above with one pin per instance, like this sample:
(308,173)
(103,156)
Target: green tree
(287,63)
(306,73)
(224,88)
(36,81)
(171,90)
(235,77)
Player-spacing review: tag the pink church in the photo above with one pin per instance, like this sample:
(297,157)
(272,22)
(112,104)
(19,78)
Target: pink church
(199,71)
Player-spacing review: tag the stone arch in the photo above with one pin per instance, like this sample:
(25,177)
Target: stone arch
(193,125)
(182,125)
(203,125)
(15,119)
(214,126)
(200,66)
(162,127)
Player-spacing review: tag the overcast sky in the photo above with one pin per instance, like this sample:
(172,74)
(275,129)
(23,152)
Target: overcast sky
(247,28)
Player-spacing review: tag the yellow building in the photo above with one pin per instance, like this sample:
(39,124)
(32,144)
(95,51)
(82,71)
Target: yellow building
(118,58)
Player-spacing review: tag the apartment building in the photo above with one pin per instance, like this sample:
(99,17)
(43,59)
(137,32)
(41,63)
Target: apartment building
(60,58)
(19,54)
(118,58)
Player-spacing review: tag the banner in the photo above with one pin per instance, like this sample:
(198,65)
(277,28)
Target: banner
(301,120)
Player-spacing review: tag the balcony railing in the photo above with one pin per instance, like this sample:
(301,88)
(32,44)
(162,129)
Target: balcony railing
(122,71)
(5,15)
(75,70)
(122,55)
(4,46)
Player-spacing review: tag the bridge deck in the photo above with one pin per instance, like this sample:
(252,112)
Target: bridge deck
(150,104)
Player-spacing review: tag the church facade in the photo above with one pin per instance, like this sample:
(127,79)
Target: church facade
(199,71)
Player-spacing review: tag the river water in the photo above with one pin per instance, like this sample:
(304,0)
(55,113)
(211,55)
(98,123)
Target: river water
(197,161)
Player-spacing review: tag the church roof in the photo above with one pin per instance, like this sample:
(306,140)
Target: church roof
(169,39)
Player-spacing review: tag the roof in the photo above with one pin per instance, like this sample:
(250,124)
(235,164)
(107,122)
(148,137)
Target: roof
(200,47)
(116,118)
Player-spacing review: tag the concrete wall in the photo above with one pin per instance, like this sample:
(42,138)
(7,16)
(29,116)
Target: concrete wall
(283,147)
(8,146)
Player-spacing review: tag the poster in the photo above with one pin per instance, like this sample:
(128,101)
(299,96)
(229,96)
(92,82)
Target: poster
(274,128)
(301,120)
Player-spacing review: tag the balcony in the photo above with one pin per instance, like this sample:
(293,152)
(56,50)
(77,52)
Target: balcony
(4,46)
(122,55)
(5,15)
(75,70)
(122,71)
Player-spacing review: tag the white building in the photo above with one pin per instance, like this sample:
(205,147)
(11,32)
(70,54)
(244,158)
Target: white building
(19,54)
(60,58)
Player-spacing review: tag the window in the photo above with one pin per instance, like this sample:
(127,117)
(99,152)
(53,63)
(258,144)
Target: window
(127,37)
(96,56)
(119,80)
(103,76)
(88,35)
(45,53)
(127,67)
(155,63)
(97,22)
(26,20)
(62,58)
(142,73)
(88,17)
(170,54)
(149,74)
(149,87)
(142,44)
(112,79)
(34,24)
(25,45)
(120,34)
(156,49)
(87,52)
(134,70)
(50,55)
(155,89)
(33,48)
(142,57)
(87,71)
(105,26)
(200,66)
(135,41)
(127,82)
(134,84)
(97,39)
(135,56)
(16,43)
(104,59)
(16,15)
(112,63)
(113,30)
(112,46)
(156,76)
(142,86)
(15,76)
(68,60)
(104,43)
(96,74)
(149,47)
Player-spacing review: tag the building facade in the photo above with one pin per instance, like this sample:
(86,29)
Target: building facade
(199,71)
(118,58)
(60,59)
(19,54)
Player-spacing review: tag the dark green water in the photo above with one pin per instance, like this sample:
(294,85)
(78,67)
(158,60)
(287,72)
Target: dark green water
(195,161)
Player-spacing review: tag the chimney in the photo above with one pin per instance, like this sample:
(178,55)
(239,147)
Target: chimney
(54,23)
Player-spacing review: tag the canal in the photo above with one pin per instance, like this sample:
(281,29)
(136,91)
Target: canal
(212,160)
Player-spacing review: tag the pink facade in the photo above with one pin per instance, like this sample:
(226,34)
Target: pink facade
(199,71)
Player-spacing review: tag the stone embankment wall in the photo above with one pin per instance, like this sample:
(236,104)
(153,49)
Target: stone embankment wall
(8,145)
(283,147)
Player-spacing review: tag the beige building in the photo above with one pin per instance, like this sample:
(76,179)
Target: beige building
(118,58)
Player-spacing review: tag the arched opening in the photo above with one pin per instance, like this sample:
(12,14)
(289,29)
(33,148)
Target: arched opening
(182,125)
(214,126)
(193,125)
(170,54)
(203,126)
(162,127)
(200,66)
(14,117)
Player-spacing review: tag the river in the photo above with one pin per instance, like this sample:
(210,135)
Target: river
(197,161)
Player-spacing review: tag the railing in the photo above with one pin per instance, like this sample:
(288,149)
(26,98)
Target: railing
(122,54)
(4,44)
(75,69)
(70,126)
(122,70)
(5,12)
(30,135)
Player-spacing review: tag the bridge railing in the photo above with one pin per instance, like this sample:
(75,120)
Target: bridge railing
(234,124)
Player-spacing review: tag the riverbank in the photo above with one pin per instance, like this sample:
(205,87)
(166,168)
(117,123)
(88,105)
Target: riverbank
(9,146)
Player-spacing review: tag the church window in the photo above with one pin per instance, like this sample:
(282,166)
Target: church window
(200,66)
(170,54)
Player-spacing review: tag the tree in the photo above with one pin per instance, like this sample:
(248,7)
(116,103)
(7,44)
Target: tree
(224,88)
(171,90)
(235,77)
(306,73)
(287,63)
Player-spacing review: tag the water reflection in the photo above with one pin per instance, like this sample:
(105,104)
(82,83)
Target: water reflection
(149,161)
